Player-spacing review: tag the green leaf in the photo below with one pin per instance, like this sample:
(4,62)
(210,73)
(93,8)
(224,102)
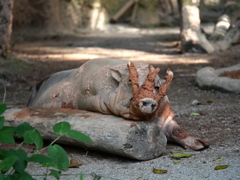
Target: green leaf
(176,161)
(181,155)
(8,129)
(33,137)
(209,101)
(195,114)
(1,122)
(6,137)
(218,159)
(2,177)
(221,167)
(5,153)
(58,156)
(61,128)
(55,173)
(79,136)
(21,176)
(21,163)
(22,128)
(21,154)
(41,159)
(3,108)
(159,171)
(7,163)
(81,176)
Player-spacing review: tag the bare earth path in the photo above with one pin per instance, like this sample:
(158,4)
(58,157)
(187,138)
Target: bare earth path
(219,112)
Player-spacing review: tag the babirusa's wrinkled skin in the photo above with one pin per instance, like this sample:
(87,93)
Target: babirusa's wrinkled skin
(131,90)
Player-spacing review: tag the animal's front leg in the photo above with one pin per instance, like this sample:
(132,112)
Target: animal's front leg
(173,131)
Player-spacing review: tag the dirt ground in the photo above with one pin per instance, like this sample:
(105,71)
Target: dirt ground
(218,121)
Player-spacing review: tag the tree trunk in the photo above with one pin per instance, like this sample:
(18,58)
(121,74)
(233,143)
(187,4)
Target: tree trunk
(193,38)
(6,7)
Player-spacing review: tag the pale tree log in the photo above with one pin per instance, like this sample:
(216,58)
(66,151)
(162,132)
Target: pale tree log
(139,140)
(193,39)
(6,7)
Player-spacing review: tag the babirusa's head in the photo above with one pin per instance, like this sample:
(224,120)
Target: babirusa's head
(147,94)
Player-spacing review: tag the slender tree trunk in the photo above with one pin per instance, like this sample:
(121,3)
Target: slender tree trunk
(192,38)
(6,7)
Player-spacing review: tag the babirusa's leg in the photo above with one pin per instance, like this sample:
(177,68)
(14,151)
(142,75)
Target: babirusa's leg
(174,132)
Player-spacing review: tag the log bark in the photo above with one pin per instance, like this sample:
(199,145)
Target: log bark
(6,7)
(111,134)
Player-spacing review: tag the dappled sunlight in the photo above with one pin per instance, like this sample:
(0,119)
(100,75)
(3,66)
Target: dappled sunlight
(150,45)
(87,53)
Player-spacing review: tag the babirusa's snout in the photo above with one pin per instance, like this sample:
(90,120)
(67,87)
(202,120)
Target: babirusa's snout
(147,105)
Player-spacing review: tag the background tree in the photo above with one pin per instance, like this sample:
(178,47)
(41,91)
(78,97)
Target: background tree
(193,38)
(6,7)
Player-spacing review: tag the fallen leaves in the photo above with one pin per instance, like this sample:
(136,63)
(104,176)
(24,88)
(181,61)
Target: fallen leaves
(159,171)
(221,167)
(195,114)
(218,159)
(181,155)
(74,163)
(209,101)
(227,129)
(176,161)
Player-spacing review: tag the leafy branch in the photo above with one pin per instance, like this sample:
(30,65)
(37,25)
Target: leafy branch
(13,162)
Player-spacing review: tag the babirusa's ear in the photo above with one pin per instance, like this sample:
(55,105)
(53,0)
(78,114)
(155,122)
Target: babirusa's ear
(116,74)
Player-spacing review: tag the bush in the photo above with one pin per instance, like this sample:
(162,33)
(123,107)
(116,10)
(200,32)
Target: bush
(13,162)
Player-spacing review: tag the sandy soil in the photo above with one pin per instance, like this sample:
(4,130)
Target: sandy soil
(218,121)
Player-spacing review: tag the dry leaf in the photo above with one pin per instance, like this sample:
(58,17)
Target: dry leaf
(74,163)
(133,124)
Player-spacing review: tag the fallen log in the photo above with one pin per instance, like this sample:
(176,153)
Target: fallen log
(210,78)
(139,140)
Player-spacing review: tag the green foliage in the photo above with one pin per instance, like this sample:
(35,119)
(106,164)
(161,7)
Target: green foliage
(58,157)
(33,137)
(64,128)
(55,173)
(22,128)
(13,162)
(3,108)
